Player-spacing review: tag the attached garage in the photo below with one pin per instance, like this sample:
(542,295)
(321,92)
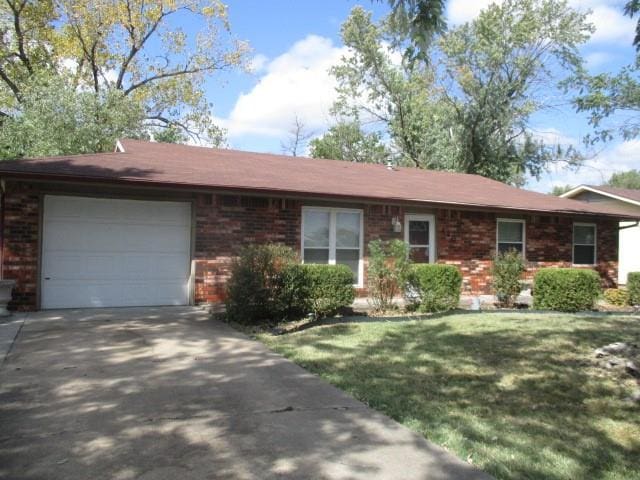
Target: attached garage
(100,252)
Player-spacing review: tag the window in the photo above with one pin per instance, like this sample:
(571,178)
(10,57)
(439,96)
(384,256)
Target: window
(419,233)
(333,236)
(584,244)
(510,235)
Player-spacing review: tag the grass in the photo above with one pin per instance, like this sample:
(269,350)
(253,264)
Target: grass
(519,395)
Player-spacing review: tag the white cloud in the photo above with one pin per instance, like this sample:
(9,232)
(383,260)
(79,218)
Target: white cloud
(607,16)
(296,83)
(619,158)
(258,63)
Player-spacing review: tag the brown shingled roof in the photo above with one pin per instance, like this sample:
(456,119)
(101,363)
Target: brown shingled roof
(198,167)
(628,193)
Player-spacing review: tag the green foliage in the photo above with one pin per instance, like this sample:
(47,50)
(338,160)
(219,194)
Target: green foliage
(633,287)
(388,270)
(170,134)
(629,179)
(56,119)
(256,290)
(330,288)
(565,289)
(612,101)
(561,189)
(616,296)
(418,20)
(469,108)
(112,46)
(346,141)
(433,287)
(507,271)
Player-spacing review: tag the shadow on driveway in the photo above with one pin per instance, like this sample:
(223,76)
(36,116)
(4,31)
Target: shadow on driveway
(168,393)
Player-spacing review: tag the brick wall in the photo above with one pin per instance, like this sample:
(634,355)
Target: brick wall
(223,223)
(20,244)
(468,240)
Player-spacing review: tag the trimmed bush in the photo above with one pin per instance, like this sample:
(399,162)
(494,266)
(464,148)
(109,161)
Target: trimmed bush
(433,287)
(565,289)
(616,296)
(328,288)
(256,285)
(387,272)
(507,270)
(633,287)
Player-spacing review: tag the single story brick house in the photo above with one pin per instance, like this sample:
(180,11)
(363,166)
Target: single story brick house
(159,224)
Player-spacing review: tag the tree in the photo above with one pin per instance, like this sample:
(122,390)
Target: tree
(630,179)
(107,45)
(418,20)
(612,101)
(297,140)
(560,189)
(346,141)
(170,134)
(469,109)
(56,119)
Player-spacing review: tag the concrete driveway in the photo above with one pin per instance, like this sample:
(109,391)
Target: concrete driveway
(168,393)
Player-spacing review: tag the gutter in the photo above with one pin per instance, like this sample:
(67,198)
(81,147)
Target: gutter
(633,225)
(129,182)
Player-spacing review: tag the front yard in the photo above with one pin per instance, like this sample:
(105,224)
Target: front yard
(519,395)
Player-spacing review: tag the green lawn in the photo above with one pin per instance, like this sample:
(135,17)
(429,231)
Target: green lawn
(517,394)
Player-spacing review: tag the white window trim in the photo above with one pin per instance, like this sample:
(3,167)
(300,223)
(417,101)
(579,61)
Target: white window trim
(594,245)
(332,237)
(432,232)
(524,233)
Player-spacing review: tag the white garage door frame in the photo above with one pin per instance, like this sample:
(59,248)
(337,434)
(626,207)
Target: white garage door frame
(137,200)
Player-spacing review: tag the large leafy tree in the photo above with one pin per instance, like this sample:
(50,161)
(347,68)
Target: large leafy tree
(127,48)
(612,100)
(469,108)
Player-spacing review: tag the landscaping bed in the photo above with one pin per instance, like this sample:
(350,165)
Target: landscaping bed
(522,395)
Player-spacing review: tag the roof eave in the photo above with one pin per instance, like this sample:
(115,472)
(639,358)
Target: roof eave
(304,194)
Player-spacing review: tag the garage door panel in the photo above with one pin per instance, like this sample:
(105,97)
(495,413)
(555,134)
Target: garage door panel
(111,252)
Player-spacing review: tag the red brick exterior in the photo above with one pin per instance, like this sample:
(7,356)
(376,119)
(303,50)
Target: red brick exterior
(224,223)
(20,244)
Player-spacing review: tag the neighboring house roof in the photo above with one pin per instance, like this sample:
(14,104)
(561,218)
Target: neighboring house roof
(138,162)
(627,195)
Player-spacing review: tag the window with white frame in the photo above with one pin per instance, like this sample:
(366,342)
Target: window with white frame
(511,235)
(333,236)
(419,234)
(584,244)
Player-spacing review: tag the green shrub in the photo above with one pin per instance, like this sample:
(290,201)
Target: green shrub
(256,285)
(387,272)
(433,288)
(633,287)
(507,270)
(328,288)
(616,296)
(565,289)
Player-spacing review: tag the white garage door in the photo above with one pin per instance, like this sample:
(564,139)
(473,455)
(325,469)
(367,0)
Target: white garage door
(100,252)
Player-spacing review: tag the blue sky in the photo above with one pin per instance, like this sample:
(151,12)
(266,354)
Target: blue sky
(295,42)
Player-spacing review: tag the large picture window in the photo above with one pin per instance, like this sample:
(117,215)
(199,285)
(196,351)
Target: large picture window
(333,236)
(511,235)
(584,244)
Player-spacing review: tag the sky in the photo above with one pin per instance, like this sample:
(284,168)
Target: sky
(294,43)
